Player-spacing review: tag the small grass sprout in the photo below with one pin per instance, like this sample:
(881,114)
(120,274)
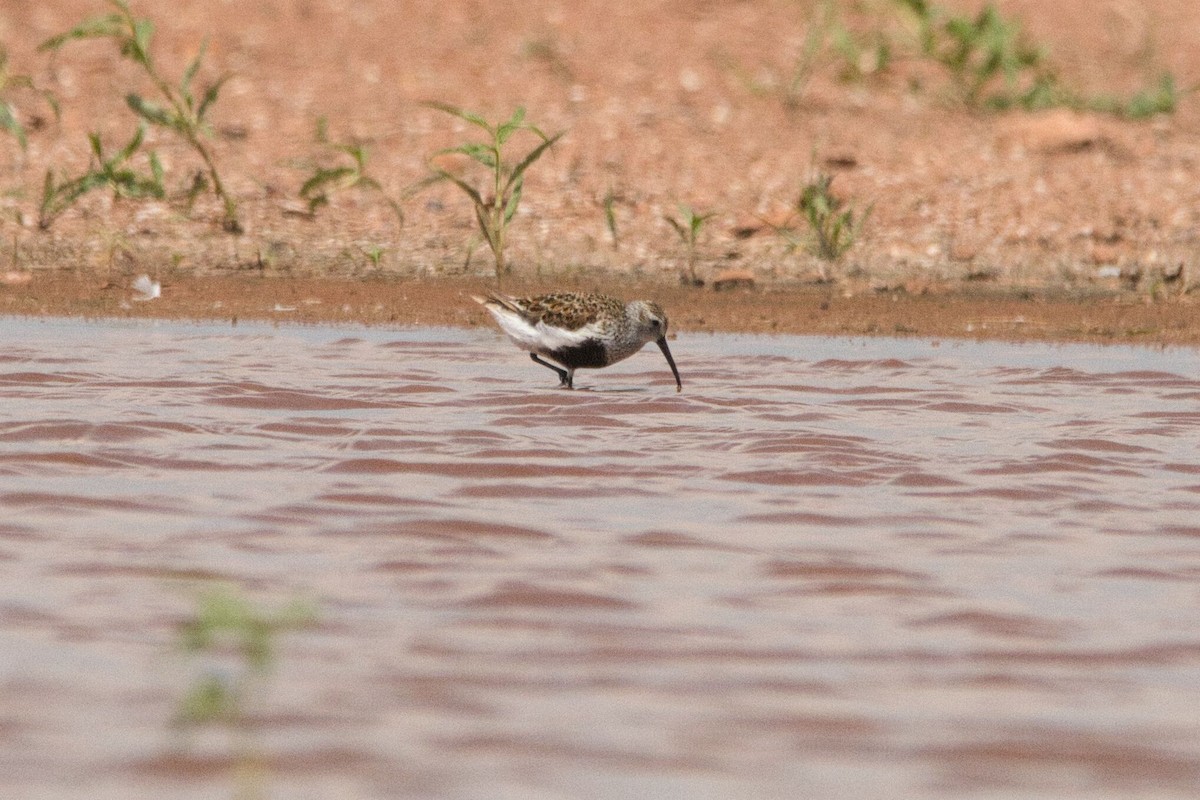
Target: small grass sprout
(811,51)
(495,206)
(610,217)
(353,174)
(112,171)
(179,109)
(374,254)
(10,122)
(829,40)
(981,51)
(688,228)
(833,226)
(1162,97)
(989,59)
(993,64)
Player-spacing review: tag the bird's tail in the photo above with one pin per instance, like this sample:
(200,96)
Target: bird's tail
(501,300)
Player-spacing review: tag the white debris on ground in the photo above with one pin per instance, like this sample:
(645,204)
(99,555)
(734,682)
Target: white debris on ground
(146,289)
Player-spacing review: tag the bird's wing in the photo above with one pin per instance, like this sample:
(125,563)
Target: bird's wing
(574,312)
(536,326)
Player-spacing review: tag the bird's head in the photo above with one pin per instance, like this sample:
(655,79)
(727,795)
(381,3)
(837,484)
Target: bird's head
(651,323)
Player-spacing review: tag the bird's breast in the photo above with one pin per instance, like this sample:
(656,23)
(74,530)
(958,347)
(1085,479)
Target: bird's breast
(588,353)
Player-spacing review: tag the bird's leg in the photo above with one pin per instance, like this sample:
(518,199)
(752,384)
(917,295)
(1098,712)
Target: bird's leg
(564,376)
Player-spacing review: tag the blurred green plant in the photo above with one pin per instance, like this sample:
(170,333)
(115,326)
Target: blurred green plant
(496,206)
(688,228)
(982,52)
(610,217)
(10,122)
(184,112)
(1162,97)
(229,629)
(325,181)
(989,59)
(227,624)
(993,64)
(111,171)
(833,225)
(828,40)
(374,254)
(811,50)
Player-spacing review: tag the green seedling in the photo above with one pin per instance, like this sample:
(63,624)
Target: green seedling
(810,52)
(688,228)
(184,112)
(495,206)
(983,51)
(325,181)
(1162,98)
(990,61)
(374,254)
(111,171)
(828,41)
(610,217)
(993,64)
(833,227)
(9,121)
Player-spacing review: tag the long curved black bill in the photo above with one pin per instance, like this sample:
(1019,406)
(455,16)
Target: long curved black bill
(662,345)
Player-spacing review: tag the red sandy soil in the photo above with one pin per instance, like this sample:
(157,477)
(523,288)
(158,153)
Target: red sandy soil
(1051,224)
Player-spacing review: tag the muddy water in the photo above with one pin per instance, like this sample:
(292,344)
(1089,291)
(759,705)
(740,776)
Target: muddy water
(828,568)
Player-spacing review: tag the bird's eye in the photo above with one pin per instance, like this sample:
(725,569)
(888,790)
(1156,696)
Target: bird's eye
(656,322)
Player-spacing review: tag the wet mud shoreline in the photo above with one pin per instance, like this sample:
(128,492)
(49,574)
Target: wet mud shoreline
(1012,314)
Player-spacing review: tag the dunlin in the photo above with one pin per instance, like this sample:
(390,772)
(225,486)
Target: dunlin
(580,330)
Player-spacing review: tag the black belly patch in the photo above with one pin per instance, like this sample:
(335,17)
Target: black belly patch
(588,353)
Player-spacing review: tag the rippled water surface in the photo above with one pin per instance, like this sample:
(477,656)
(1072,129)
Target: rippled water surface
(828,568)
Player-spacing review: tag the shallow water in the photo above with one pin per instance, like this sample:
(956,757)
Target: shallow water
(828,568)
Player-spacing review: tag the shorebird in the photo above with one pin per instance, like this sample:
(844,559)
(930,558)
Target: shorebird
(580,330)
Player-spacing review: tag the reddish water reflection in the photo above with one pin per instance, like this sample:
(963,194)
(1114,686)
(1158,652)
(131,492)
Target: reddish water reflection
(827,569)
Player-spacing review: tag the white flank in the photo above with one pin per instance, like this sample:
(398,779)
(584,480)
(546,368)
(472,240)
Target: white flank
(540,337)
